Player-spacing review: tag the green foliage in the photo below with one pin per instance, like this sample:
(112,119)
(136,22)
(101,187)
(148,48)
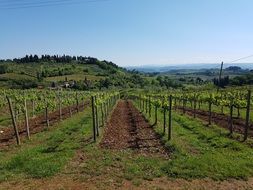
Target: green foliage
(167,82)
(242,80)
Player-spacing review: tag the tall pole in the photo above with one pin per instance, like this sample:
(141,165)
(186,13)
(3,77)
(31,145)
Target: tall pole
(220,75)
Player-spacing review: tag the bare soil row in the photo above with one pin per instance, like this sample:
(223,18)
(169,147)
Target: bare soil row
(128,129)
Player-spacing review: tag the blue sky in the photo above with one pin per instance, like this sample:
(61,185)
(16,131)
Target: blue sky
(130,32)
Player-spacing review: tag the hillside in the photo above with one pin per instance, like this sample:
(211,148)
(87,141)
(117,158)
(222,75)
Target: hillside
(88,73)
(51,71)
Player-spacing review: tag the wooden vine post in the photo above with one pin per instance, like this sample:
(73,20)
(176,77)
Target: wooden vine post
(220,76)
(210,111)
(231,118)
(146,105)
(170,118)
(60,106)
(102,114)
(47,114)
(83,103)
(15,111)
(238,112)
(140,102)
(70,111)
(142,105)
(149,107)
(106,110)
(93,118)
(109,104)
(26,120)
(184,102)
(13,120)
(77,103)
(155,114)
(96,116)
(194,106)
(247,116)
(108,107)
(164,119)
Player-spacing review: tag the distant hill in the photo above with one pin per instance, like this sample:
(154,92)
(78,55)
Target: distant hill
(161,69)
(32,71)
(75,72)
(89,73)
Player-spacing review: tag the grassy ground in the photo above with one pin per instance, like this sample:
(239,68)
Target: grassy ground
(47,152)
(57,152)
(63,155)
(201,151)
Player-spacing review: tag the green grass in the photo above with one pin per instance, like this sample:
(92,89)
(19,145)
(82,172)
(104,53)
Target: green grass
(50,151)
(201,151)
(197,152)
(211,153)
(47,152)
(120,164)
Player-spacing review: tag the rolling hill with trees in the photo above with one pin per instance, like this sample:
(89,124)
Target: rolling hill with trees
(77,72)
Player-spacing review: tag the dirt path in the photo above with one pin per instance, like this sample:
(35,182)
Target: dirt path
(127,129)
(36,124)
(220,120)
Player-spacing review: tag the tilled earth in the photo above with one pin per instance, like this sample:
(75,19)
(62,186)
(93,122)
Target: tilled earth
(220,120)
(127,129)
(37,124)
